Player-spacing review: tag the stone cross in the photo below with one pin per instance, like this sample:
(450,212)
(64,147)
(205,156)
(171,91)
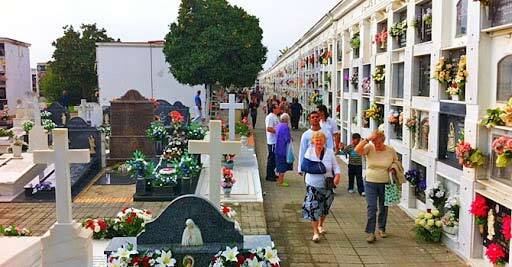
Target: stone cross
(231,106)
(215,148)
(62,156)
(37,138)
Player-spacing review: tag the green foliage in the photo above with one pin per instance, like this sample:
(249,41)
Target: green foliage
(355,41)
(213,41)
(399,29)
(493,118)
(4,132)
(73,65)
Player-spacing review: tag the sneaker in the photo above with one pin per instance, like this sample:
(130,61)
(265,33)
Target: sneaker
(382,234)
(351,191)
(371,238)
(363,194)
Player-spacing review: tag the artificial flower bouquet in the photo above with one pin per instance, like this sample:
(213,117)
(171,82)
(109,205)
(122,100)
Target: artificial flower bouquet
(230,214)
(374,112)
(379,75)
(242,127)
(98,227)
(394,117)
(187,166)
(496,254)
(228,179)
(156,131)
(458,84)
(128,256)
(166,176)
(13,230)
(438,195)
(128,222)
(428,226)
(381,38)
(493,118)
(506,115)
(468,156)
(503,148)
(413,176)
(138,166)
(27,126)
(355,42)
(443,71)
(366,85)
(479,209)
(398,29)
(48,125)
(354,79)
(196,131)
(231,257)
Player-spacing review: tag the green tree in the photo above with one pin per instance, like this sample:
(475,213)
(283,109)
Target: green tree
(213,41)
(73,64)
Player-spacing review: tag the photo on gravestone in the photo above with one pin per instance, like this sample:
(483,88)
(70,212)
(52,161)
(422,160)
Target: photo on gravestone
(59,114)
(130,117)
(451,131)
(195,218)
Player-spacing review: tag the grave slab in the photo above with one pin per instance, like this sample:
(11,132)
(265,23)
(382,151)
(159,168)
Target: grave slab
(15,174)
(20,251)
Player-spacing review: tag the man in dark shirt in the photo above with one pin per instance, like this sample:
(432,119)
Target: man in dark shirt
(197,107)
(355,165)
(296,110)
(64,99)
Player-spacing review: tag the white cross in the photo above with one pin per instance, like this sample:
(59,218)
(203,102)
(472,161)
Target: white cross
(62,156)
(215,148)
(231,106)
(37,138)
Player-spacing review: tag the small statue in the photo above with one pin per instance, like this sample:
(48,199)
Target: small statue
(106,119)
(450,146)
(63,118)
(188,261)
(92,145)
(191,235)
(425,129)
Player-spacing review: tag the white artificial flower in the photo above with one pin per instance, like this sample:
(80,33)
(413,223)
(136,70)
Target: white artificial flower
(116,263)
(165,259)
(218,263)
(97,228)
(230,254)
(440,194)
(124,253)
(271,255)
(152,262)
(253,263)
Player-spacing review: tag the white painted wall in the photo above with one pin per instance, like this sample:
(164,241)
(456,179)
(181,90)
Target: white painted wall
(19,80)
(125,66)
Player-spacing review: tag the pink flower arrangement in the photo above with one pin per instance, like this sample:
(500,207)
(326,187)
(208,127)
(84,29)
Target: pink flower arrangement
(503,148)
(506,228)
(496,254)
(227,178)
(468,156)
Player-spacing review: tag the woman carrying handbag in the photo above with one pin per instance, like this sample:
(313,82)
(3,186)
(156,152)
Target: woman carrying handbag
(322,176)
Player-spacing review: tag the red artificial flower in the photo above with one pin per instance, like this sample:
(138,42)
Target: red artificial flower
(479,207)
(495,253)
(145,262)
(135,261)
(176,117)
(226,209)
(506,228)
(129,220)
(241,260)
(102,224)
(124,209)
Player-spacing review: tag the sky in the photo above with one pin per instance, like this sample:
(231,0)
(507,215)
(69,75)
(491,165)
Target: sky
(40,22)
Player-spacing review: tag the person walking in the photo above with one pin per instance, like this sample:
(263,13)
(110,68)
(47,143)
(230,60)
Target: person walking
(253,110)
(355,165)
(296,112)
(329,126)
(198,107)
(64,100)
(305,140)
(319,194)
(284,105)
(283,140)
(381,159)
(271,121)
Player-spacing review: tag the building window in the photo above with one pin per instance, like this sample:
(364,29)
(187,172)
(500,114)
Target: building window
(423,76)
(398,80)
(500,12)
(504,79)
(462,17)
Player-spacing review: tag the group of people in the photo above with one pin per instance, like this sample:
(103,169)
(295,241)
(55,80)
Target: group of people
(317,162)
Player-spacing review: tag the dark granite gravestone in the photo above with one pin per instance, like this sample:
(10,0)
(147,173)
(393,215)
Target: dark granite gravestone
(57,111)
(81,135)
(130,117)
(164,108)
(166,232)
(450,116)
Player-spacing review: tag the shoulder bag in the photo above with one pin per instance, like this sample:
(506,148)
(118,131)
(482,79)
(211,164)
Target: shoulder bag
(391,192)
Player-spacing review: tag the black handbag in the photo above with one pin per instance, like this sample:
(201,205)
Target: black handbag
(313,167)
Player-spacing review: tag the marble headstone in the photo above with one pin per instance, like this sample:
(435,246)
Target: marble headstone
(130,117)
(58,113)
(91,112)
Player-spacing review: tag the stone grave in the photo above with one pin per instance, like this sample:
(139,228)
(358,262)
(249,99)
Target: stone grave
(15,174)
(60,115)
(130,116)
(167,231)
(91,112)
(164,108)
(67,243)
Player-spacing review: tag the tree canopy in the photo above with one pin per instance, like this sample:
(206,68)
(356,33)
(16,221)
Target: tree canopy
(213,41)
(73,65)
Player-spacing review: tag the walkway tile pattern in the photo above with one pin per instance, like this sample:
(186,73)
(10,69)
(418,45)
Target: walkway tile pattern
(344,244)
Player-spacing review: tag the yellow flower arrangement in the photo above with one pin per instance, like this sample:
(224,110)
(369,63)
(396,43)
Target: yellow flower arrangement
(443,71)
(506,115)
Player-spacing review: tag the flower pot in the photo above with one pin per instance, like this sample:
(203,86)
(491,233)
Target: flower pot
(16,152)
(141,187)
(243,140)
(227,191)
(455,97)
(185,185)
(454,230)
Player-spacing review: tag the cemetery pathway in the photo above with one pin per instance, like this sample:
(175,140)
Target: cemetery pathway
(345,243)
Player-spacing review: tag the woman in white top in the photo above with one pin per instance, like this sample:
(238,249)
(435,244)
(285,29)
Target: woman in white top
(329,126)
(318,199)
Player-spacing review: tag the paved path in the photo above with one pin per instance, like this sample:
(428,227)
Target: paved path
(344,244)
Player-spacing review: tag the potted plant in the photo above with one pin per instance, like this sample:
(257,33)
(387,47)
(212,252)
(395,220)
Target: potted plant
(139,168)
(227,181)
(503,148)
(242,128)
(13,230)
(5,134)
(496,254)
(188,169)
(17,147)
(156,132)
(479,209)
(196,131)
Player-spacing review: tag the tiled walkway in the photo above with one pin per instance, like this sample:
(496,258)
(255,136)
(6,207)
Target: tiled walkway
(344,244)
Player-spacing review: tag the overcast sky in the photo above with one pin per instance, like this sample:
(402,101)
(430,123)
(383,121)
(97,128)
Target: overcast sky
(40,22)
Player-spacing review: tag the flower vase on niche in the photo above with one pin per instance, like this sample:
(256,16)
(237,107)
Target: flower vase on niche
(227,191)
(455,97)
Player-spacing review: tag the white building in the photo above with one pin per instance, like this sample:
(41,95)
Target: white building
(15,73)
(346,47)
(122,66)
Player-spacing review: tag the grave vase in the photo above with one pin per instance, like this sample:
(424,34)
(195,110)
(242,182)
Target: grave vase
(141,186)
(186,185)
(451,230)
(243,140)
(159,148)
(455,97)
(227,191)
(16,151)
